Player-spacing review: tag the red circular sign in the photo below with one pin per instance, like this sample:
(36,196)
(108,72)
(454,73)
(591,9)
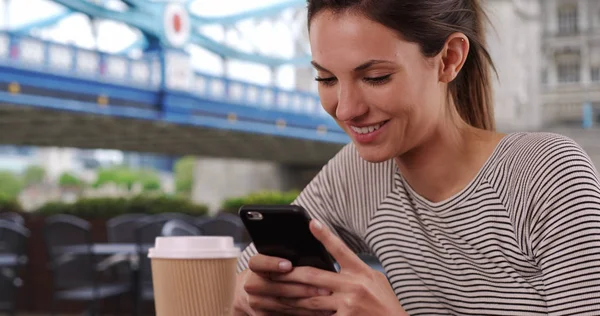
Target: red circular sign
(177,23)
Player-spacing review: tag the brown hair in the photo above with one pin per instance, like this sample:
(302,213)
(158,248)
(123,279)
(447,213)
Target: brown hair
(429,23)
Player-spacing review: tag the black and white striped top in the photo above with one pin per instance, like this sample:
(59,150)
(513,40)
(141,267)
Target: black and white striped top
(523,238)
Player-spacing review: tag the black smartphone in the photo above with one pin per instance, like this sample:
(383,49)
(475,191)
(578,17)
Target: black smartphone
(282,231)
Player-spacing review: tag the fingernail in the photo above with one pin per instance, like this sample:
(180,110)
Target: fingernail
(285,265)
(323,292)
(318,225)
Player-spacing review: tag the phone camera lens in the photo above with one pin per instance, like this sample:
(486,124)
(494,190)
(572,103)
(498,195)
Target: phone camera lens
(255,216)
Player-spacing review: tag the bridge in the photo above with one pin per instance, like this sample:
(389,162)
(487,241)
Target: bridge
(57,94)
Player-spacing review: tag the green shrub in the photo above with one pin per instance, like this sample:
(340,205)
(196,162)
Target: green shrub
(110,207)
(8,204)
(184,175)
(10,184)
(69,180)
(34,175)
(232,205)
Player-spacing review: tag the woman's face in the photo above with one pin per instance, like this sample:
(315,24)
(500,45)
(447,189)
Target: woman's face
(378,87)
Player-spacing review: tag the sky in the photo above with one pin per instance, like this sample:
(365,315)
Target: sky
(271,38)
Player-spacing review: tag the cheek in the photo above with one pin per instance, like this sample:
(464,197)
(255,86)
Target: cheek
(328,97)
(416,95)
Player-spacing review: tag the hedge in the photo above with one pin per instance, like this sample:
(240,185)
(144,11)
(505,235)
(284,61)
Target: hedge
(232,205)
(9,205)
(110,207)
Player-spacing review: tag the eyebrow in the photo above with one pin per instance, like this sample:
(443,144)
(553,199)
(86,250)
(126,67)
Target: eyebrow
(361,67)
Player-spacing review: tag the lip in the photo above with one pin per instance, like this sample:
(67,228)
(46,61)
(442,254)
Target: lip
(369,137)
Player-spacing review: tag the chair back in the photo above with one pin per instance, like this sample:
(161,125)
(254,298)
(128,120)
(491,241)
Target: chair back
(70,268)
(180,216)
(223,226)
(13,243)
(13,238)
(121,229)
(13,217)
(146,232)
(176,227)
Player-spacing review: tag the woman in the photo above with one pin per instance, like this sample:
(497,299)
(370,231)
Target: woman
(463,219)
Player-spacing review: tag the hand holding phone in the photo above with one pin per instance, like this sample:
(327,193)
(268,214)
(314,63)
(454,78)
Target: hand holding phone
(283,231)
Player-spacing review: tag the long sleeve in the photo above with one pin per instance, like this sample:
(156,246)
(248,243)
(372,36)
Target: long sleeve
(565,230)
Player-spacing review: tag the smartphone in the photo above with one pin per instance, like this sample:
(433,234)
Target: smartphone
(282,231)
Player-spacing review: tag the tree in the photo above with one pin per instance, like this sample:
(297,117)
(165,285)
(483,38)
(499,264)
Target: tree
(126,178)
(184,175)
(10,185)
(121,176)
(149,180)
(69,181)
(33,175)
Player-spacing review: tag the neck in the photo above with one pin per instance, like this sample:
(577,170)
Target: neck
(447,160)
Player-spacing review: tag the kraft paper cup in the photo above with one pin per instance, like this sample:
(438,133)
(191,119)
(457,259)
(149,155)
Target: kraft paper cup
(194,276)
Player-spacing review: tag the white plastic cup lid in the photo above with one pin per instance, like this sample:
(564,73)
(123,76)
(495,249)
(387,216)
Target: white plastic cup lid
(194,247)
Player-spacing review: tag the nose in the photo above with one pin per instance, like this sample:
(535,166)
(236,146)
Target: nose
(350,104)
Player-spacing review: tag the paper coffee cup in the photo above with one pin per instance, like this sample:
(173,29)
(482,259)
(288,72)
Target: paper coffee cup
(194,276)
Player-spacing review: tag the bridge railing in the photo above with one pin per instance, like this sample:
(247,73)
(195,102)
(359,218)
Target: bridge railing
(253,95)
(146,73)
(62,59)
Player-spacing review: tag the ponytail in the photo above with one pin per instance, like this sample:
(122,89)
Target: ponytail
(472,91)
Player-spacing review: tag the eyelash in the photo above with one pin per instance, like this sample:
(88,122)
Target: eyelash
(375,81)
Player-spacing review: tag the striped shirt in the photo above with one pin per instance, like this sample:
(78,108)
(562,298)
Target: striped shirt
(522,238)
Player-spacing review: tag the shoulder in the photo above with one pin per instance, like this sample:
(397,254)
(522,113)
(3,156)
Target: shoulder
(534,168)
(531,156)
(549,170)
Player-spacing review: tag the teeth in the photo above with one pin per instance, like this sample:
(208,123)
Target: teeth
(366,130)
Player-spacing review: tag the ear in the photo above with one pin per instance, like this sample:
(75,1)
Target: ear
(453,56)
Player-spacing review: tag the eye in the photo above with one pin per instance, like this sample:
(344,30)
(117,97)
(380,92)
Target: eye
(330,81)
(378,80)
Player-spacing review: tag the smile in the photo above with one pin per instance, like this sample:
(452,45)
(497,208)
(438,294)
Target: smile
(367,129)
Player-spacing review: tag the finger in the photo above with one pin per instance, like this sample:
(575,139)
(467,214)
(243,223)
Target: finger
(265,264)
(345,257)
(271,306)
(320,303)
(313,277)
(260,286)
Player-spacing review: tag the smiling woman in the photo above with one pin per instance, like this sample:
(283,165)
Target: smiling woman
(464,220)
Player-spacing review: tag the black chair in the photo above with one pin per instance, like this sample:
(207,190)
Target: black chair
(180,216)
(228,215)
(146,232)
(224,226)
(200,220)
(121,229)
(13,217)
(13,244)
(245,236)
(176,227)
(75,275)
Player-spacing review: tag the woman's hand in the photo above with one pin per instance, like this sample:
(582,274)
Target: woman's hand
(256,294)
(356,290)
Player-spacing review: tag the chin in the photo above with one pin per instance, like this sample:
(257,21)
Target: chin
(374,154)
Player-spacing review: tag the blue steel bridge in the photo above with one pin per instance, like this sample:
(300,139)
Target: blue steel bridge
(55,94)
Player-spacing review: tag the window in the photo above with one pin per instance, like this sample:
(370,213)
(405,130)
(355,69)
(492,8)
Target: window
(596,74)
(568,19)
(568,67)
